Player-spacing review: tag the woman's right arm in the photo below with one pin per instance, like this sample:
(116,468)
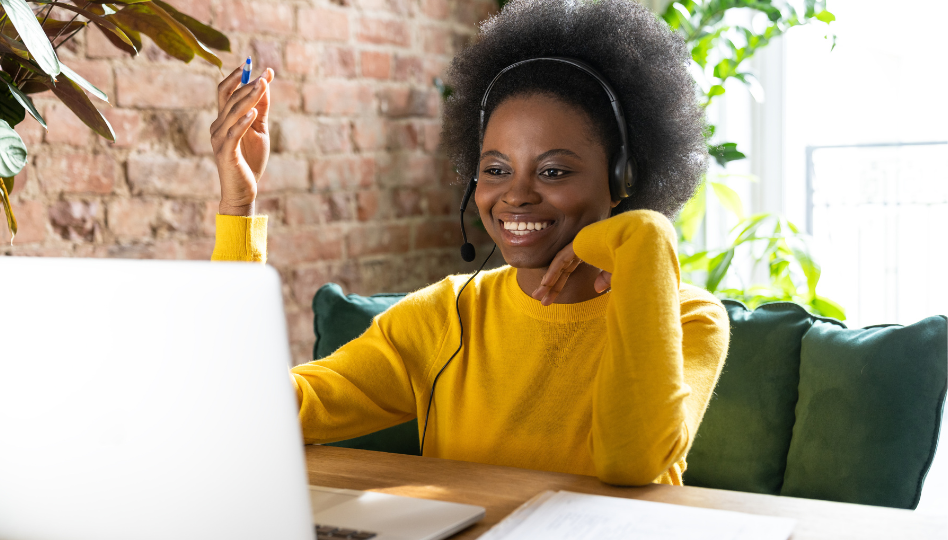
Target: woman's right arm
(240,137)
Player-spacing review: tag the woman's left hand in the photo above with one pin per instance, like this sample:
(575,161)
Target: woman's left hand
(559,271)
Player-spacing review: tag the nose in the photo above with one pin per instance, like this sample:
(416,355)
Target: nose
(521,190)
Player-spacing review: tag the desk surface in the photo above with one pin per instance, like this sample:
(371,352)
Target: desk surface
(502,489)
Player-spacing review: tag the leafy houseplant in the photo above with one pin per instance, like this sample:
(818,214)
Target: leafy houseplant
(719,51)
(29,38)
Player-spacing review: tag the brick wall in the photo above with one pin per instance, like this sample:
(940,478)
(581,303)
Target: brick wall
(356,190)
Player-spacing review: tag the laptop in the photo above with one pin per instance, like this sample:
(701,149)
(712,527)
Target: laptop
(151,399)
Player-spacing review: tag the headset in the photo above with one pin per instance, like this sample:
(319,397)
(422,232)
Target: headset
(622,177)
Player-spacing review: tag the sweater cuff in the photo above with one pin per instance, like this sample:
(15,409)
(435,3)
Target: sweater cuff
(597,243)
(240,239)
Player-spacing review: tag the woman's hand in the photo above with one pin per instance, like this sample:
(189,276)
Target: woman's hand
(241,140)
(559,271)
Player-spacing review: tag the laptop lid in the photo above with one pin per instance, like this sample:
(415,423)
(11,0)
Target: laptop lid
(147,399)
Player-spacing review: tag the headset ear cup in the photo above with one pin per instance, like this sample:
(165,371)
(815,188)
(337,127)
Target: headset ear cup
(619,177)
(629,175)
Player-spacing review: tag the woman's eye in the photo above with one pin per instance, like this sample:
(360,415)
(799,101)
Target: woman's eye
(553,173)
(494,171)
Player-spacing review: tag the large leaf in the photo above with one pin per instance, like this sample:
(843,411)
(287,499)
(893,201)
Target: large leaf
(72,96)
(207,35)
(11,111)
(32,35)
(692,215)
(729,199)
(140,18)
(725,152)
(199,48)
(717,269)
(7,207)
(22,99)
(116,35)
(828,308)
(78,79)
(12,151)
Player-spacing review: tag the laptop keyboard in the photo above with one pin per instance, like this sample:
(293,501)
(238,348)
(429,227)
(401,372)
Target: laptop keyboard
(329,532)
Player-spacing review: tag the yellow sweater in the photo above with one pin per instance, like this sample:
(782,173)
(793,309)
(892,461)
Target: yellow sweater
(614,387)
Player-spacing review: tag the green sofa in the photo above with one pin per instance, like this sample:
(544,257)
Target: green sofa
(804,407)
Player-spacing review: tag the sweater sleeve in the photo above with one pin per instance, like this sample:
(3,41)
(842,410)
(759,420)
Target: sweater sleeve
(240,238)
(661,359)
(371,382)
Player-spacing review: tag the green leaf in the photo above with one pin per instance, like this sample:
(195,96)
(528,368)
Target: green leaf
(825,16)
(11,111)
(32,34)
(691,216)
(12,151)
(717,269)
(715,90)
(96,15)
(78,79)
(72,96)
(729,199)
(199,48)
(7,208)
(139,18)
(825,307)
(725,152)
(23,99)
(207,35)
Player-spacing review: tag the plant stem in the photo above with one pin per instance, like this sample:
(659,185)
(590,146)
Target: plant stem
(76,31)
(61,30)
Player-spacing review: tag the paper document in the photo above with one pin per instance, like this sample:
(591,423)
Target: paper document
(566,515)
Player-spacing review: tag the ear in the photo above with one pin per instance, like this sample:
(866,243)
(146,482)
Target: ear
(615,203)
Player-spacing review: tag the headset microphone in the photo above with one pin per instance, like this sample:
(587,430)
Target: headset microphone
(467,250)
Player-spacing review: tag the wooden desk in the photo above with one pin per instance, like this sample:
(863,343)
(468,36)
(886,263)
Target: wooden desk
(502,489)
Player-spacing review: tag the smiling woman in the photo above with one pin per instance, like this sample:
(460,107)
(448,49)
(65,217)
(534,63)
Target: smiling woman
(585,354)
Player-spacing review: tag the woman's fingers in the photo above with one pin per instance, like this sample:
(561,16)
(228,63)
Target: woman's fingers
(263,105)
(226,88)
(603,281)
(239,109)
(252,89)
(231,138)
(557,287)
(555,278)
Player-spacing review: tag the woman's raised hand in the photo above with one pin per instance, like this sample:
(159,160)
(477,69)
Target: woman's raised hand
(559,271)
(241,140)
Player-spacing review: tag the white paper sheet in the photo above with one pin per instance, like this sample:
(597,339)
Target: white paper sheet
(565,515)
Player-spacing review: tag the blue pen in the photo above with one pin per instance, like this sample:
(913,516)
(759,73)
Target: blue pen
(245,76)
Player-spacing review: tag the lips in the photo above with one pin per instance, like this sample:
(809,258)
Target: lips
(520,230)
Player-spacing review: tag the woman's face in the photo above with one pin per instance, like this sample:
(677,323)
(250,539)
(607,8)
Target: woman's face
(543,177)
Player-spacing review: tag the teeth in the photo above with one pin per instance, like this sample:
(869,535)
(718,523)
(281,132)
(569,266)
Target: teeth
(525,226)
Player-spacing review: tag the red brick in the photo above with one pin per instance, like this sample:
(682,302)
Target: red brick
(433,66)
(301,57)
(407,202)
(432,137)
(398,7)
(293,247)
(299,323)
(338,62)
(368,133)
(126,124)
(306,209)
(306,281)
(153,174)
(284,173)
(378,239)
(376,65)
(76,173)
(340,206)
(199,133)
(471,12)
(402,136)
(443,201)
(402,170)
(132,218)
(255,17)
(436,9)
(198,250)
(436,40)
(324,24)
(397,102)
(164,88)
(266,54)
(284,96)
(384,31)
(334,137)
(337,97)
(437,234)
(98,46)
(23,178)
(75,220)
(30,131)
(209,221)
(295,133)
(407,68)
(31,217)
(272,207)
(181,216)
(332,173)
(65,127)
(367,204)
(199,9)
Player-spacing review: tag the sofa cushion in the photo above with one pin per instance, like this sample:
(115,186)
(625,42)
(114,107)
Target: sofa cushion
(869,412)
(743,440)
(340,318)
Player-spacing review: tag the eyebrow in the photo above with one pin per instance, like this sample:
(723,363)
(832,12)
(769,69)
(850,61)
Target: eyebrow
(541,157)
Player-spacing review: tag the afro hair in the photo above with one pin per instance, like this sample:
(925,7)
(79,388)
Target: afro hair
(643,60)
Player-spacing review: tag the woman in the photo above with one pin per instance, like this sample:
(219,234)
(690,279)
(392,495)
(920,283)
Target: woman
(585,355)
